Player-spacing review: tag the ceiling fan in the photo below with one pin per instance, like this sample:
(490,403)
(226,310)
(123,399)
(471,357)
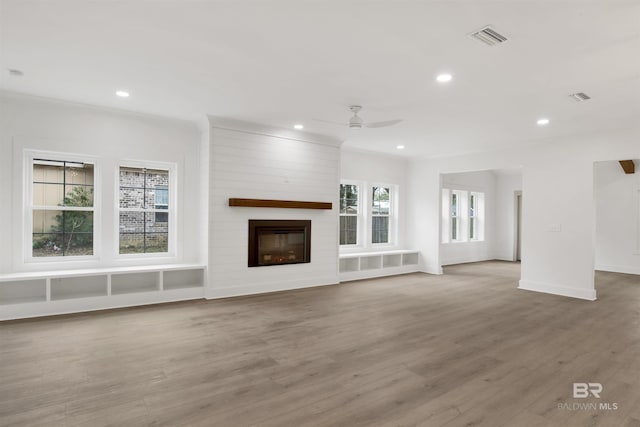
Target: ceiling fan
(356,121)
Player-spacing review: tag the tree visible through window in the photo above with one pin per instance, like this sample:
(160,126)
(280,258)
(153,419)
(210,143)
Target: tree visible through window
(380,211)
(62,208)
(144,210)
(348,214)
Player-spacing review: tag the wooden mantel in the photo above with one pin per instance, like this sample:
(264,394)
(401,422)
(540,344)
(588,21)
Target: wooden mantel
(628,166)
(289,204)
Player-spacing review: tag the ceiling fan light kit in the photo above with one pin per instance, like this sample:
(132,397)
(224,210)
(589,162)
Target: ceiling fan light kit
(356,121)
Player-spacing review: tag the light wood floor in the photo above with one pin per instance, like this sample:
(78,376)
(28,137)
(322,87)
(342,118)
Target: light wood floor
(463,349)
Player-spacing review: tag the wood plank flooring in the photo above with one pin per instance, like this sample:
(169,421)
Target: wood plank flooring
(463,349)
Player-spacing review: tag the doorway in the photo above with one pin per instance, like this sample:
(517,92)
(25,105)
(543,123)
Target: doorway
(518,226)
(480,220)
(617,217)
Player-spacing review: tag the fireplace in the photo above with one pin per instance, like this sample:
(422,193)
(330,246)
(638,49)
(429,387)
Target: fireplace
(278,242)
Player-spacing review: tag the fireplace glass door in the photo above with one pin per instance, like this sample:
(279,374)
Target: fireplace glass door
(276,242)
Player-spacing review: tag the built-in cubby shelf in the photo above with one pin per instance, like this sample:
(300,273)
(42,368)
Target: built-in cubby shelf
(365,265)
(23,291)
(126,283)
(391,260)
(45,293)
(182,279)
(410,258)
(370,262)
(78,287)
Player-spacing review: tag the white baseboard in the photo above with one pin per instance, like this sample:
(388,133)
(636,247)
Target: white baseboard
(465,260)
(377,272)
(503,258)
(262,288)
(585,294)
(626,269)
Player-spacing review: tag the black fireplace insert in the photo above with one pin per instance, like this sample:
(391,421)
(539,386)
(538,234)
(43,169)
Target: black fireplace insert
(278,242)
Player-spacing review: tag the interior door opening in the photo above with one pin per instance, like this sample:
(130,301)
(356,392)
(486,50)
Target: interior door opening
(518,227)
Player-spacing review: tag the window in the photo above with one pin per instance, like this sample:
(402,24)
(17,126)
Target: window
(145,210)
(62,207)
(462,216)
(476,216)
(455,220)
(380,212)
(473,217)
(366,214)
(349,214)
(162,203)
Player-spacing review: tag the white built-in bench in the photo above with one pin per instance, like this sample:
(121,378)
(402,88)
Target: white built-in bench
(56,292)
(365,265)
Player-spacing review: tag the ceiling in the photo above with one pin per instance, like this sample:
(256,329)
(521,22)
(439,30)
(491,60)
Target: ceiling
(282,62)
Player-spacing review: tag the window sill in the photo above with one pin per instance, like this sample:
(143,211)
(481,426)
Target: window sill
(140,256)
(57,260)
(347,249)
(457,242)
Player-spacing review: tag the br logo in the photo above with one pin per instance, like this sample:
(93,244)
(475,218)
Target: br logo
(583,390)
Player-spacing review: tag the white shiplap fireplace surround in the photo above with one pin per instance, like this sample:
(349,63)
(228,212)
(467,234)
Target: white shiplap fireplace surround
(256,162)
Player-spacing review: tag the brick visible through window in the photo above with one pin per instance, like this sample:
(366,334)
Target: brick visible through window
(144,210)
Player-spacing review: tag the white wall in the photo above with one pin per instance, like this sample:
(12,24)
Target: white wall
(40,124)
(472,251)
(558,206)
(508,182)
(617,198)
(249,161)
(375,168)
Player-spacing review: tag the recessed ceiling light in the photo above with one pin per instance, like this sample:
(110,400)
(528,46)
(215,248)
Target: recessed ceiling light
(16,73)
(543,122)
(298,126)
(444,78)
(122,94)
(400,147)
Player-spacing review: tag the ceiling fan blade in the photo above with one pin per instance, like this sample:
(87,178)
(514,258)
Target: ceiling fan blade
(383,124)
(330,122)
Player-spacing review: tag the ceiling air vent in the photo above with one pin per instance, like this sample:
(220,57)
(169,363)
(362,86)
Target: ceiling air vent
(488,35)
(580,97)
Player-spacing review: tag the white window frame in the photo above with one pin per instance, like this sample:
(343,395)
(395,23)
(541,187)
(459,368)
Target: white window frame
(393,201)
(156,204)
(479,216)
(463,218)
(29,207)
(360,215)
(460,218)
(172,211)
(473,216)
